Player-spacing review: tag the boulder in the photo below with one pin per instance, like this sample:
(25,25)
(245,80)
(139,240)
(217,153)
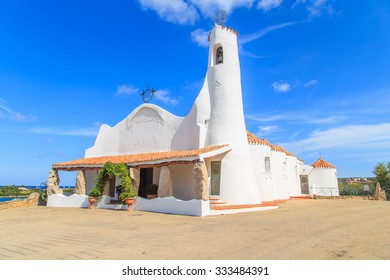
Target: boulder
(80,183)
(165,182)
(202,183)
(53,183)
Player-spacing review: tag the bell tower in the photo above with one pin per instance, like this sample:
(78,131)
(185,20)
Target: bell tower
(227,125)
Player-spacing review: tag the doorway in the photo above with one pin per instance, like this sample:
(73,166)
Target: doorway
(146,178)
(304,184)
(215,177)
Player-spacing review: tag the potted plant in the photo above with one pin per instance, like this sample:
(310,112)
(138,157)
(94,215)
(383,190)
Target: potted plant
(128,194)
(151,191)
(94,193)
(128,197)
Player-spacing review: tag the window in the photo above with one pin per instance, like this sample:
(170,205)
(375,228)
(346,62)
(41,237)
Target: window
(219,56)
(284,168)
(267,165)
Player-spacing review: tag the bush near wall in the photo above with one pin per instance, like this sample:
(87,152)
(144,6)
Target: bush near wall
(32,200)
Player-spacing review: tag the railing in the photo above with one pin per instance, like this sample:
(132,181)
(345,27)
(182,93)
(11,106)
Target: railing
(325,191)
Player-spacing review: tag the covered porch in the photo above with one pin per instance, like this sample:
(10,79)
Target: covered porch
(182,177)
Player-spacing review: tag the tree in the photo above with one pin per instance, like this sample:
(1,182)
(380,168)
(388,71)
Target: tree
(382,173)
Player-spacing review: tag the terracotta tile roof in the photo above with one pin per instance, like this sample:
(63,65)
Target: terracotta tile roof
(179,155)
(254,140)
(323,164)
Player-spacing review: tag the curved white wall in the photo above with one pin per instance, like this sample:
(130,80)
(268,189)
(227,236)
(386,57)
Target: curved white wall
(147,129)
(227,125)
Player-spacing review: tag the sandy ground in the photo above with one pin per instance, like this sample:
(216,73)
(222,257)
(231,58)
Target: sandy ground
(298,230)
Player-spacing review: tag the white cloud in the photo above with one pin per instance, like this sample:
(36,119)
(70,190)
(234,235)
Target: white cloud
(126,89)
(267,5)
(163,96)
(175,11)
(281,86)
(200,37)
(356,137)
(254,36)
(89,131)
(208,8)
(5,110)
(310,83)
(266,130)
(315,7)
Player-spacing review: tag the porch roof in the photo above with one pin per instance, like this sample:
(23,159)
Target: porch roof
(151,159)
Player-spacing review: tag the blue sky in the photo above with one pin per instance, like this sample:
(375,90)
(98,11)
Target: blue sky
(315,75)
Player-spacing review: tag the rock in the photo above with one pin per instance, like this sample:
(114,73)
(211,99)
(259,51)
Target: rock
(53,183)
(34,196)
(80,183)
(202,183)
(134,174)
(165,182)
(379,193)
(107,188)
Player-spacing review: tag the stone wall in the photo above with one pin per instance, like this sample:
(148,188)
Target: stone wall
(32,200)
(349,197)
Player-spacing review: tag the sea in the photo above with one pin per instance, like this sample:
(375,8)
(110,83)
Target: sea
(42,187)
(4,199)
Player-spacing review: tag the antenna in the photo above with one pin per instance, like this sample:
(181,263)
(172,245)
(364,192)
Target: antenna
(220,17)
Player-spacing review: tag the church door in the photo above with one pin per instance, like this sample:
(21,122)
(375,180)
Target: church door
(215,177)
(146,178)
(304,184)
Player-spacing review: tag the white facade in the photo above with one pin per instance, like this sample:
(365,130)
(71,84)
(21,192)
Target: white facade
(246,170)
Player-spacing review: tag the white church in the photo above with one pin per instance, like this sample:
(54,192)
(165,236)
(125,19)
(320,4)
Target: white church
(202,163)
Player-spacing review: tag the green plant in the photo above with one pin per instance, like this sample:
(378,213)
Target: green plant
(151,189)
(120,170)
(95,192)
(119,189)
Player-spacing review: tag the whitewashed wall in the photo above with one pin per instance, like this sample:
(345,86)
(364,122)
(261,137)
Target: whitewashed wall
(294,185)
(147,129)
(227,124)
(323,181)
(183,181)
(264,179)
(279,177)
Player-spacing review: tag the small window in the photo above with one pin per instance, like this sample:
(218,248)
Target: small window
(219,56)
(267,165)
(284,168)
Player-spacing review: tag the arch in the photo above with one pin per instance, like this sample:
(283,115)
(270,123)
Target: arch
(218,54)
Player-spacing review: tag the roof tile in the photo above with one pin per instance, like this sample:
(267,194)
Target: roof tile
(137,158)
(321,163)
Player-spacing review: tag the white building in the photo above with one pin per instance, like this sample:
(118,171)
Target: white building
(206,160)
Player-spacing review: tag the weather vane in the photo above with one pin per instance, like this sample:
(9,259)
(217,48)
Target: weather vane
(147,94)
(220,17)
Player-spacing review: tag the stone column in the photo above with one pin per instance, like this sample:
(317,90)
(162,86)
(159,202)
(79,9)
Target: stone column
(165,182)
(53,183)
(134,174)
(202,182)
(80,183)
(106,190)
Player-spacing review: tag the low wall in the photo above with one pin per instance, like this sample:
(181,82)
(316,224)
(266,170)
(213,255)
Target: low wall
(172,205)
(32,200)
(74,200)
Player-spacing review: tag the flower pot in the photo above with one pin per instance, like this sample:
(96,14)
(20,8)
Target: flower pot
(151,196)
(92,201)
(129,202)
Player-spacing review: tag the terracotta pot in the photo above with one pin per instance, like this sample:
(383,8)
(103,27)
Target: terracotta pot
(92,201)
(129,202)
(151,196)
